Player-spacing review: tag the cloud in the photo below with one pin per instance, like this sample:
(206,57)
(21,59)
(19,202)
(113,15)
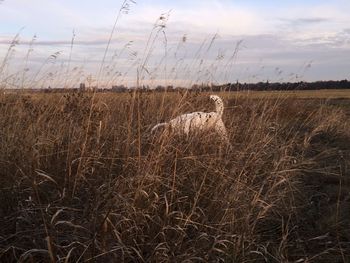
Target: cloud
(304,21)
(56,43)
(274,35)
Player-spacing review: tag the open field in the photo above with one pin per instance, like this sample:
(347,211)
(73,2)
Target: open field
(83,180)
(305,94)
(300,94)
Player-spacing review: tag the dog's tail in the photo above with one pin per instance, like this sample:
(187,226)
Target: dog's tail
(219,105)
(156,127)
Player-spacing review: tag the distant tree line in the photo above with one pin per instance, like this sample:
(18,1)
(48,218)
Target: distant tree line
(260,86)
(267,86)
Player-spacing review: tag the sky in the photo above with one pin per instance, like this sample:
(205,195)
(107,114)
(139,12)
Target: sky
(195,41)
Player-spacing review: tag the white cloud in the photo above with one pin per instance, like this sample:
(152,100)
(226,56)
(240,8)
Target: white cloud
(274,36)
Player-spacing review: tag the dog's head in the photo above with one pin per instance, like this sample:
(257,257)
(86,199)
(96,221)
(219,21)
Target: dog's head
(215,98)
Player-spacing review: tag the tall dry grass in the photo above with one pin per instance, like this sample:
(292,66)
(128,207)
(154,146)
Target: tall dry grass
(82,180)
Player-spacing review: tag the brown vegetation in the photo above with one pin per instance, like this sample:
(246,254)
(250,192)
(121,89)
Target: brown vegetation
(83,180)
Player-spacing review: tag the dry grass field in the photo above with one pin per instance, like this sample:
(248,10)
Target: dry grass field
(298,94)
(83,180)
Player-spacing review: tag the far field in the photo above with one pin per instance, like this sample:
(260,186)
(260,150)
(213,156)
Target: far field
(83,180)
(302,94)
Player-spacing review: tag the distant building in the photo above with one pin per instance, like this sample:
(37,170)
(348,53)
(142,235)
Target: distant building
(82,87)
(119,88)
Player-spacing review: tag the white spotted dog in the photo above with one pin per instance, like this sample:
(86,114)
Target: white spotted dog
(198,121)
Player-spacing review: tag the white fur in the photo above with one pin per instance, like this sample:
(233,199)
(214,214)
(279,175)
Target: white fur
(198,121)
